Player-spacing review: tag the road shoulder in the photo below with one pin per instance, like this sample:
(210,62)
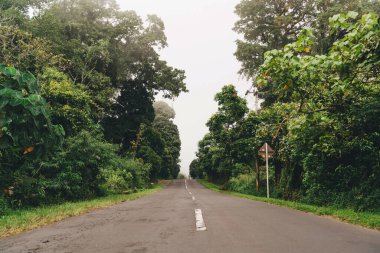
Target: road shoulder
(364,219)
(24,220)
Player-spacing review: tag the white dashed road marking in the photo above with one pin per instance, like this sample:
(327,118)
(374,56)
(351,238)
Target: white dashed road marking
(199,222)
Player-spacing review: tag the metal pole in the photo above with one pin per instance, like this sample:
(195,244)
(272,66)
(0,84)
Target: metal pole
(266,160)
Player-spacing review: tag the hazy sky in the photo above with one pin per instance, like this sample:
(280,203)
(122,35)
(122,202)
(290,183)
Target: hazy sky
(202,43)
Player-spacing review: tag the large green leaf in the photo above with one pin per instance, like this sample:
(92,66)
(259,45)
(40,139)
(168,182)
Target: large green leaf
(3,102)
(23,111)
(29,81)
(10,71)
(7,92)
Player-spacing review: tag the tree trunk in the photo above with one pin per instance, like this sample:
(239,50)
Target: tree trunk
(277,169)
(257,174)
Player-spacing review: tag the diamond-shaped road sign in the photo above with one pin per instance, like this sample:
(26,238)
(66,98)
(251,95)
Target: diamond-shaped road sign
(262,151)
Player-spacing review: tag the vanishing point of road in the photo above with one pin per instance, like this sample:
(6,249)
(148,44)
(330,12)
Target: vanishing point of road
(186,217)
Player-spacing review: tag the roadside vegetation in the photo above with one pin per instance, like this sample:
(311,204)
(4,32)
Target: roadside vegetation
(365,219)
(316,71)
(78,116)
(21,220)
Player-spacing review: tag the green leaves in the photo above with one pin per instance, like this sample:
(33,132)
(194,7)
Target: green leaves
(317,139)
(219,149)
(98,69)
(163,123)
(26,80)
(24,118)
(8,71)
(320,115)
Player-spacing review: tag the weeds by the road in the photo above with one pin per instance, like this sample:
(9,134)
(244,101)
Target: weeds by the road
(22,220)
(365,219)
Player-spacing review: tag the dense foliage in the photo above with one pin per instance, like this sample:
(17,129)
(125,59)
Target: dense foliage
(164,124)
(267,25)
(321,118)
(76,101)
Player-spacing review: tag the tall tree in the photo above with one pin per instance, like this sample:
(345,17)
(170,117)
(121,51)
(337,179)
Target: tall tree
(224,126)
(195,169)
(328,135)
(99,69)
(26,131)
(152,149)
(113,55)
(108,48)
(164,124)
(16,12)
(268,25)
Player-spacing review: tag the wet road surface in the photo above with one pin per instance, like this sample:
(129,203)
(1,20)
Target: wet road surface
(186,217)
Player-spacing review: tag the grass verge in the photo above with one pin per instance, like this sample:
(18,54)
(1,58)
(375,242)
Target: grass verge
(22,220)
(365,219)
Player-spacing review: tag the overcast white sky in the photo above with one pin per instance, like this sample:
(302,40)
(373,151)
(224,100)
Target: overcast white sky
(202,43)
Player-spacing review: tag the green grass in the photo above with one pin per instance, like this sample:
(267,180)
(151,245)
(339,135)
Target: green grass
(22,220)
(365,219)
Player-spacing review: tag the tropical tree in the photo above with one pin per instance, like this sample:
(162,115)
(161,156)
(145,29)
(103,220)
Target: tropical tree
(25,118)
(164,124)
(98,70)
(333,93)
(26,131)
(195,170)
(268,25)
(224,126)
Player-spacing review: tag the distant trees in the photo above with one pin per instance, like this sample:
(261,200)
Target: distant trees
(164,124)
(223,126)
(195,170)
(81,98)
(159,143)
(321,121)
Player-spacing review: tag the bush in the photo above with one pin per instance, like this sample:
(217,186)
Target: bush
(116,181)
(140,172)
(84,168)
(344,180)
(94,165)
(125,175)
(74,173)
(4,207)
(244,183)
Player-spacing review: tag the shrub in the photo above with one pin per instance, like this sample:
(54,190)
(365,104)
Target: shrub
(4,207)
(84,168)
(244,183)
(125,175)
(140,172)
(116,180)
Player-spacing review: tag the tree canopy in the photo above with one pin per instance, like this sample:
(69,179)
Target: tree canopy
(320,118)
(78,79)
(268,25)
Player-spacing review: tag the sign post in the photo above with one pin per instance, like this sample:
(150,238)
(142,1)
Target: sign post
(267,152)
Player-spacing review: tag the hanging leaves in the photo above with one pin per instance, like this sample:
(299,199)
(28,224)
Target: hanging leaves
(24,117)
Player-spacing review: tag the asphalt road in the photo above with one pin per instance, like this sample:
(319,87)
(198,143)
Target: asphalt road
(166,222)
